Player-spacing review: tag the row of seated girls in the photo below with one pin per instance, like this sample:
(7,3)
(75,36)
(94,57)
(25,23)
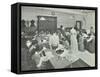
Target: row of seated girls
(44,43)
(41,44)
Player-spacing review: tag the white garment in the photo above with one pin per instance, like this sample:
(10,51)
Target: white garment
(48,56)
(84,35)
(54,40)
(74,44)
(60,47)
(65,53)
(28,43)
(91,38)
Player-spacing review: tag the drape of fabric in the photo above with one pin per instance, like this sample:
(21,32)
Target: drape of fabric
(74,44)
(81,43)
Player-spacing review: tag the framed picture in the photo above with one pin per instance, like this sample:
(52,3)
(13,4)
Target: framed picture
(51,38)
(78,25)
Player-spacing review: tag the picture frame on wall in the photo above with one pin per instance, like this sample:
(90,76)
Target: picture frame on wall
(79,25)
(53,38)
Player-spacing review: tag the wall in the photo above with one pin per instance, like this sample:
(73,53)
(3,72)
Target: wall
(63,18)
(90,20)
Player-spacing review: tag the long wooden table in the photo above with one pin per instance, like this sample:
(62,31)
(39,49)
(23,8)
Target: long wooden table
(58,62)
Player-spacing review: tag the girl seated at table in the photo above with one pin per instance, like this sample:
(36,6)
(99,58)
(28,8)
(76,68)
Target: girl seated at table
(45,55)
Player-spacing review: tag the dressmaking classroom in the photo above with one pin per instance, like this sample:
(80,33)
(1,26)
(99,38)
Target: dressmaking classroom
(54,38)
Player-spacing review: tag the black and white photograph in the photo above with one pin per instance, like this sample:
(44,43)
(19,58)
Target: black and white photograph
(57,38)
